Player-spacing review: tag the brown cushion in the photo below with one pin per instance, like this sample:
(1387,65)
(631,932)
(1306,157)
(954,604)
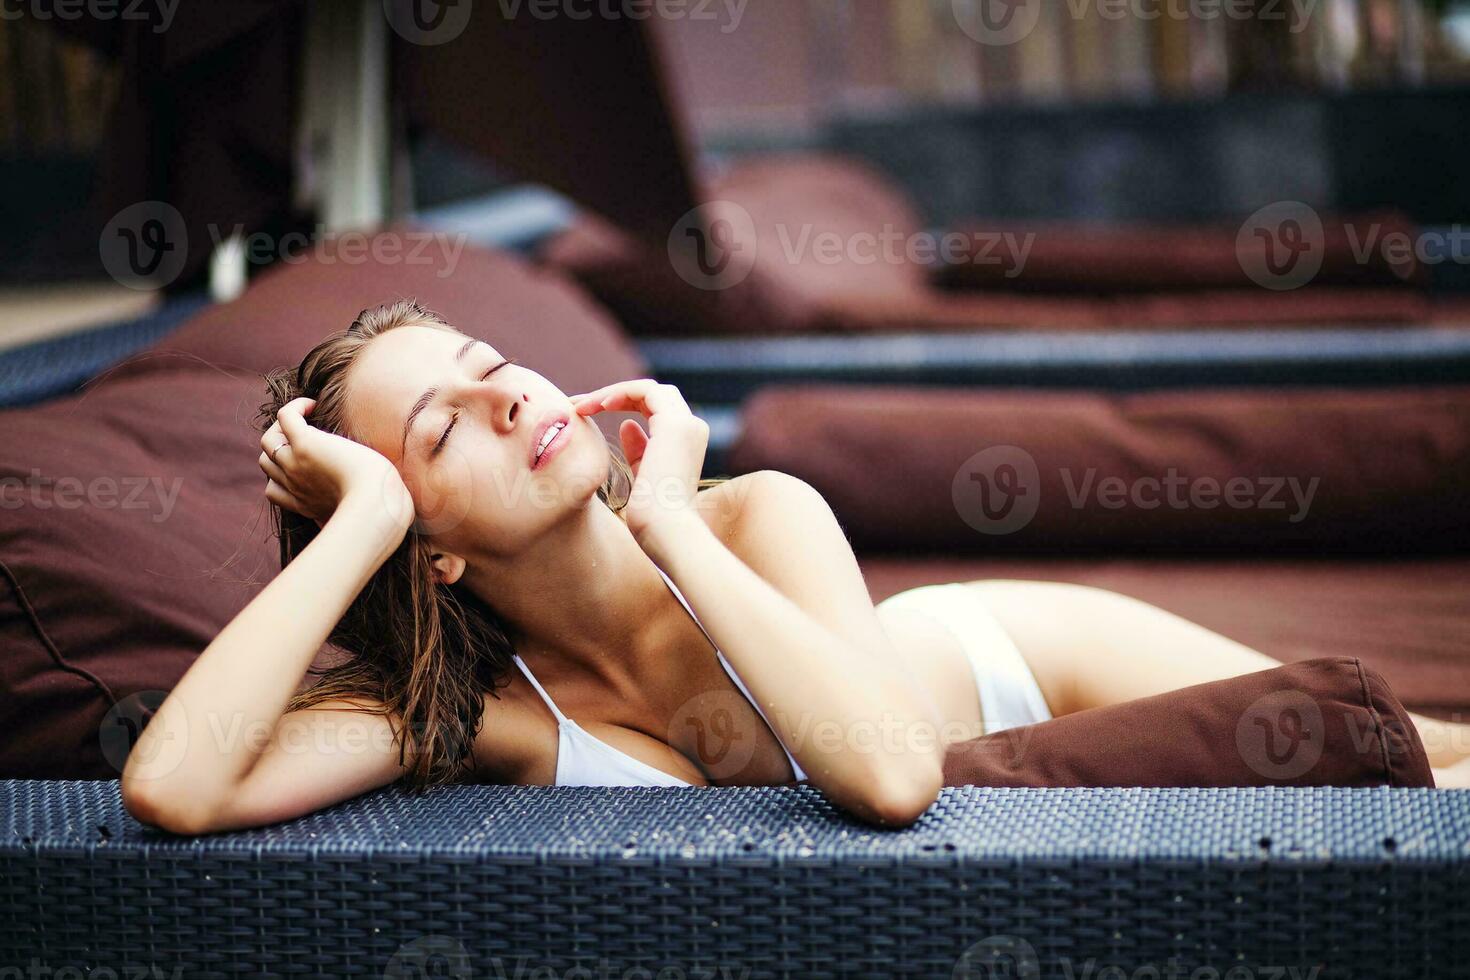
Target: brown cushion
(1323,722)
(780,211)
(1061,257)
(150,531)
(1237,471)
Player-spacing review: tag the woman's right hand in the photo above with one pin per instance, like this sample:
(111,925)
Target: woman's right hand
(311,471)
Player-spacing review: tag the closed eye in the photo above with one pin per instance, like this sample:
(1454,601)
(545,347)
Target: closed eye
(454,419)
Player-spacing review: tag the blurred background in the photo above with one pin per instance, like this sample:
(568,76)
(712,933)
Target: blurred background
(1157,110)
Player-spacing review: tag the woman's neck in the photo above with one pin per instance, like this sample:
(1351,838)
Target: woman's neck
(586,595)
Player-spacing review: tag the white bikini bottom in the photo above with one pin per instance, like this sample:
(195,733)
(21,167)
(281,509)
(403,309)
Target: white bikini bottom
(1009,694)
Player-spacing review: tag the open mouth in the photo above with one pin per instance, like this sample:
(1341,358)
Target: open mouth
(552,438)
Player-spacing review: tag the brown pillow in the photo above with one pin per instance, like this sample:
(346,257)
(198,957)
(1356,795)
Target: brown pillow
(1234,471)
(1066,257)
(781,213)
(1323,722)
(134,526)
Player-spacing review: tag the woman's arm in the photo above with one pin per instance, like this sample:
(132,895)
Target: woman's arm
(837,695)
(189,769)
(190,764)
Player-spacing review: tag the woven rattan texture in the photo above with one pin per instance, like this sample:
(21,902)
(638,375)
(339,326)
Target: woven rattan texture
(490,881)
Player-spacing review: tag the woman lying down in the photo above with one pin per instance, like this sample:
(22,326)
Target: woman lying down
(447,517)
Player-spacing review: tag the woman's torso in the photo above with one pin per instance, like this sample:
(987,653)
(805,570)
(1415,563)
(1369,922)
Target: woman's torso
(686,708)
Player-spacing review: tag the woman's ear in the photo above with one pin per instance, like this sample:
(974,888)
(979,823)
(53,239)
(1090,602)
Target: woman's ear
(447,567)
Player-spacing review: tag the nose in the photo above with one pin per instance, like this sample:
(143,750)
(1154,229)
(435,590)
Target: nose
(506,406)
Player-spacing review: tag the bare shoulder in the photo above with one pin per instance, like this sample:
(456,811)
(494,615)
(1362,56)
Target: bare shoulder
(767,517)
(728,507)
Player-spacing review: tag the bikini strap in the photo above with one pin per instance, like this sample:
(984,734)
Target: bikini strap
(539,689)
(688,608)
(730,670)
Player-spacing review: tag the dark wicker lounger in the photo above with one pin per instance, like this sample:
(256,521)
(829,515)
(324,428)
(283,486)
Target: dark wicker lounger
(490,881)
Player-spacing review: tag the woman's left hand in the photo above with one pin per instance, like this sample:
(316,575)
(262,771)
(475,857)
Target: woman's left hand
(666,460)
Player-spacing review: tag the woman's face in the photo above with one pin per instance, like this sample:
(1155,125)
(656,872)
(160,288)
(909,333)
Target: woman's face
(461,425)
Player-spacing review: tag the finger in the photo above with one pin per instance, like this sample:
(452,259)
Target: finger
(635,441)
(648,398)
(272,469)
(272,437)
(277,446)
(595,401)
(292,423)
(283,498)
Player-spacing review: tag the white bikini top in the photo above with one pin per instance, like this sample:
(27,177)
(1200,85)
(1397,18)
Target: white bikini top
(583,759)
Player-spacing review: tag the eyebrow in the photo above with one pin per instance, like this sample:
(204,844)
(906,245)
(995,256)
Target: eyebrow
(428,396)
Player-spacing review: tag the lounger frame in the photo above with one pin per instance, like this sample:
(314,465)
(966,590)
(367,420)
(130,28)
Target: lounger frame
(492,881)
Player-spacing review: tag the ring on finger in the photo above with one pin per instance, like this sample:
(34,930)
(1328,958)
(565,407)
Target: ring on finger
(276,450)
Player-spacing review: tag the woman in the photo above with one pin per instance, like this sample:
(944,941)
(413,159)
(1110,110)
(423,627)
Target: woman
(449,518)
